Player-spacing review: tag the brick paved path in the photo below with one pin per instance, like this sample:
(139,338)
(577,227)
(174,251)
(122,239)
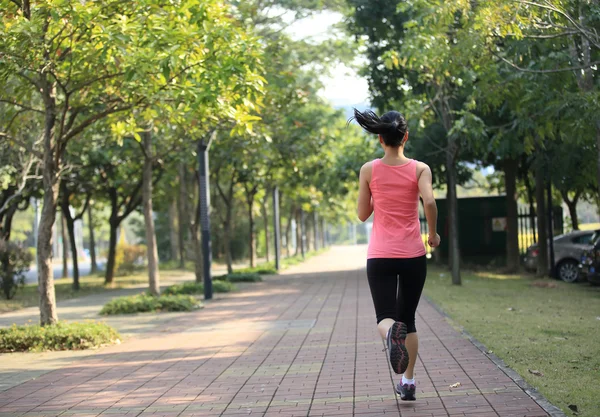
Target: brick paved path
(301,344)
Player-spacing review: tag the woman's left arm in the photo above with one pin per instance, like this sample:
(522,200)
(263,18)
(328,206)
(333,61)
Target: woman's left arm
(365,200)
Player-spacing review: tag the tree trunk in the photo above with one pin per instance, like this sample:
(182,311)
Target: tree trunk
(316,230)
(71,232)
(227,239)
(173,235)
(251,240)
(181,206)
(572,206)
(585,81)
(542,266)
(288,229)
(298,233)
(303,233)
(598,150)
(307,233)
(6,223)
(453,238)
(65,245)
(114,223)
(153,275)
(531,199)
(51,182)
(94,268)
(48,315)
(70,226)
(512,213)
(266,223)
(323,241)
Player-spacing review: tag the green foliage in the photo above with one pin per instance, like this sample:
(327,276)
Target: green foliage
(14,263)
(264,269)
(239,277)
(198,288)
(129,258)
(62,336)
(144,303)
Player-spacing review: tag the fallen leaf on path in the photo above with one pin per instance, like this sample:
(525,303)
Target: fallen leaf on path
(536,373)
(456,385)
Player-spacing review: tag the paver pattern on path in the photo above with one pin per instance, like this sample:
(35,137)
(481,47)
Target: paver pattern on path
(303,343)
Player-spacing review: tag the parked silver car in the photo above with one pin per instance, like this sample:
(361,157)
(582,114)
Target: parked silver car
(568,249)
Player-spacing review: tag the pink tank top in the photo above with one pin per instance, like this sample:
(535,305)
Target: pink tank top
(396,227)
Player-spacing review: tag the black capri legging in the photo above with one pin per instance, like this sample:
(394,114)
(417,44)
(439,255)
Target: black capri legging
(396,286)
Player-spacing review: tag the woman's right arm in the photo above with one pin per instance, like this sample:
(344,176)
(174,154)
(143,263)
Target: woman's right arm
(431,213)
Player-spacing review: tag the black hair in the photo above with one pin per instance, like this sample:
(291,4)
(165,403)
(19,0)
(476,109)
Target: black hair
(391,126)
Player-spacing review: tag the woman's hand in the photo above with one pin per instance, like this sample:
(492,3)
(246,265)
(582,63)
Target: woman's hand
(434,241)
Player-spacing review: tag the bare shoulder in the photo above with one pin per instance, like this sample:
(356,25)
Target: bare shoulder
(422,167)
(366,170)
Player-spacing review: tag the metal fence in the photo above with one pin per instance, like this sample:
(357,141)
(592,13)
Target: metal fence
(527,229)
(528,226)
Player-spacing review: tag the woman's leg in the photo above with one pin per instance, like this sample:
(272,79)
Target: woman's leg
(384,326)
(412,280)
(412,345)
(383,281)
(383,284)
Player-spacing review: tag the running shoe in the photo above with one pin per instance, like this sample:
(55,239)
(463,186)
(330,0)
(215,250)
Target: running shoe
(397,352)
(406,392)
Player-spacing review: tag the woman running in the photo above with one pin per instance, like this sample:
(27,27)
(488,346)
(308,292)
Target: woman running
(396,263)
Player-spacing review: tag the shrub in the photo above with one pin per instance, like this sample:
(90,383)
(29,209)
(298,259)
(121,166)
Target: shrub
(198,288)
(266,269)
(61,336)
(143,303)
(129,258)
(243,277)
(14,262)
(223,286)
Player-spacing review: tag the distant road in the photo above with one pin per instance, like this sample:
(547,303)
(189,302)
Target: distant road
(84,269)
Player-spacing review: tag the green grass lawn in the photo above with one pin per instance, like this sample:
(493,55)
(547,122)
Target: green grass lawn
(552,330)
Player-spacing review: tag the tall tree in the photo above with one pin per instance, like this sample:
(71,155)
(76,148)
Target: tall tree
(89,61)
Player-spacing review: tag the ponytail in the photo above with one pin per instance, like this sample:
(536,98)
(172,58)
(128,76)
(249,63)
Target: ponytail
(391,126)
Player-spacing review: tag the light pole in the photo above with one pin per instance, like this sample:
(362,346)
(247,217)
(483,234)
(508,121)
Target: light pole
(203,207)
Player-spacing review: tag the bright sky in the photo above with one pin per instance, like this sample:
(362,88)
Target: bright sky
(344,87)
